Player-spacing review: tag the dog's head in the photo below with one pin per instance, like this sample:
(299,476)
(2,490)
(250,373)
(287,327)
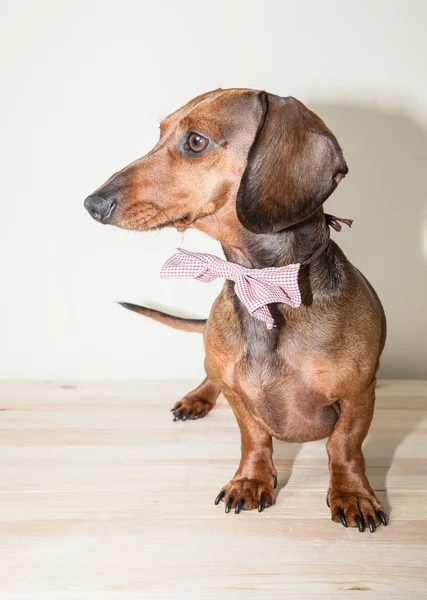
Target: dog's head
(269,160)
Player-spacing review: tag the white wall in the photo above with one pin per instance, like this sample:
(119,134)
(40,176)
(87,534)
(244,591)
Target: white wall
(84,84)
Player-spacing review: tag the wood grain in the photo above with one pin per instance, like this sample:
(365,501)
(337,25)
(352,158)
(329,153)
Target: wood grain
(102,496)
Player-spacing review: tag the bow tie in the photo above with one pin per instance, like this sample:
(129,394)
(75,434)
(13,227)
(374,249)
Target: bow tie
(256,288)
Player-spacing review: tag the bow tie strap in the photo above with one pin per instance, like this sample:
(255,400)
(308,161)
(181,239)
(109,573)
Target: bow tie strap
(335,222)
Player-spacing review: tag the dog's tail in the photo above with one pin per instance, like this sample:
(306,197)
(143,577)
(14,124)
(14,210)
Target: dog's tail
(196,325)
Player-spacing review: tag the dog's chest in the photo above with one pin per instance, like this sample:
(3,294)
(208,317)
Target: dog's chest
(267,370)
(277,394)
(239,346)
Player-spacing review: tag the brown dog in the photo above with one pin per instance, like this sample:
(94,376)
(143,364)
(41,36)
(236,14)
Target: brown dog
(252,170)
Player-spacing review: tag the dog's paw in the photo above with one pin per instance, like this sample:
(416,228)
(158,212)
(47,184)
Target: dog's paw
(356,510)
(191,407)
(246,494)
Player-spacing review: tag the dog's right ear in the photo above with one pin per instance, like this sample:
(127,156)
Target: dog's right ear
(294,164)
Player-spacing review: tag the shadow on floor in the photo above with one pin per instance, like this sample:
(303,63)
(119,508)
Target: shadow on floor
(284,458)
(383,442)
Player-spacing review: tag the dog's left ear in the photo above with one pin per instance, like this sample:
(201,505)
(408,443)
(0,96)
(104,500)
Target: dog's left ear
(294,164)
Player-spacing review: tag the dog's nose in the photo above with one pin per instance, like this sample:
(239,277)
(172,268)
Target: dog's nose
(99,208)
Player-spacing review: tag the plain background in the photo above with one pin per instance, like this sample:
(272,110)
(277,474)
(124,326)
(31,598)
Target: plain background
(84,85)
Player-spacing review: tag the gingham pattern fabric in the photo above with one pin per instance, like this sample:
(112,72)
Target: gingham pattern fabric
(256,288)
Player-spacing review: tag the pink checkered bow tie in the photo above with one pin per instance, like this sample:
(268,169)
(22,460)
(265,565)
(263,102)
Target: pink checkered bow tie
(256,288)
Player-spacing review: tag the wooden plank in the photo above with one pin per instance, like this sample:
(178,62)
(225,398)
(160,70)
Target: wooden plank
(102,496)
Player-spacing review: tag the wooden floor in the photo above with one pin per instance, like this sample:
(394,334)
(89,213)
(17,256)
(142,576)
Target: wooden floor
(104,496)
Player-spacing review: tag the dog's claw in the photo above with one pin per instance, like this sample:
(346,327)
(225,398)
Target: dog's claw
(261,504)
(371,524)
(197,415)
(275,481)
(360,523)
(239,506)
(177,417)
(176,406)
(219,498)
(342,518)
(184,417)
(228,505)
(383,518)
(327,500)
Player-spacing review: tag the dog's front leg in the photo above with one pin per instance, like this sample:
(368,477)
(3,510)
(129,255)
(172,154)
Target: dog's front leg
(252,485)
(351,498)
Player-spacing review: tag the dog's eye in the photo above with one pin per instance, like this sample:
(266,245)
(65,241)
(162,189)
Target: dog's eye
(196,142)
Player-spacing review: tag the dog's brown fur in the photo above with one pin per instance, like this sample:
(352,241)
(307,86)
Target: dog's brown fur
(259,190)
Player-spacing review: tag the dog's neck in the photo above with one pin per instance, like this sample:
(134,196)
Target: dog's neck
(292,245)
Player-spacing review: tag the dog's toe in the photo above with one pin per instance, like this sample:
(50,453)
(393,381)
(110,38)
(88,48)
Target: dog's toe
(246,494)
(361,511)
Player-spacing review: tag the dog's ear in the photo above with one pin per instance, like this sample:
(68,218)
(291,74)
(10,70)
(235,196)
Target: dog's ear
(294,164)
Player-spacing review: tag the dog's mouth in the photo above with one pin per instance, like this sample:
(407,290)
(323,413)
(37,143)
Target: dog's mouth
(140,223)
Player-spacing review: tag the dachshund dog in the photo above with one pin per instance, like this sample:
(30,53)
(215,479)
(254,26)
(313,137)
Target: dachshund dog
(252,170)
